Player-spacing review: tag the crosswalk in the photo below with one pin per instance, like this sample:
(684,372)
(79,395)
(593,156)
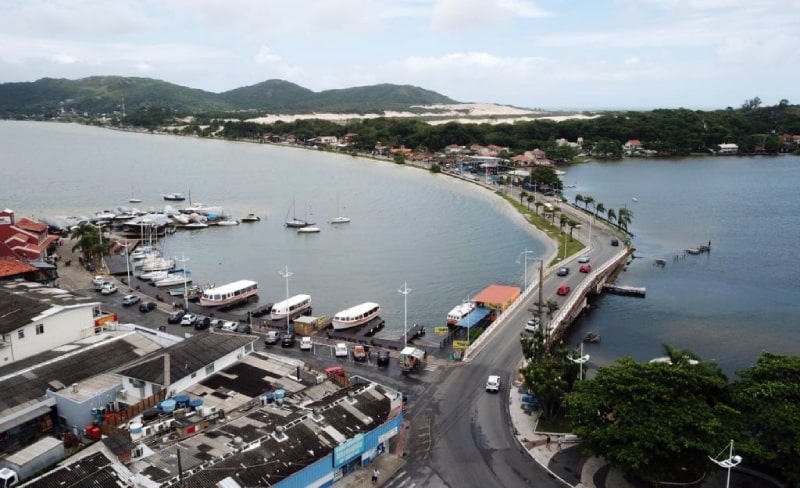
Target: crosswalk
(431,367)
(401,479)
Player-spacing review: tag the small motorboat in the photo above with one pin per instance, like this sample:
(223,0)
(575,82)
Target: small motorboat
(228,222)
(591,337)
(251,217)
(308,229)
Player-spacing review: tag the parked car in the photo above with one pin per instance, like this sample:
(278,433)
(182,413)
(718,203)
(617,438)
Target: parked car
(383,357)
(583,259)
(615,242)
(585,268)
(306,344)
(563,271)
(202,323)
(271,338)
(244,329)
(359,353)
(108,289)
(176,317)
(230,326)
(334,371)
(531,326)
(288,339)
(147,307)
(98,282)
(130,300)
(493,384)
(562,290)
(188,320)
(217,323)
(340,350)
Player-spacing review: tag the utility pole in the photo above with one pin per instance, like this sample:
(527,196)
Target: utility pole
(541,282)
(405,291)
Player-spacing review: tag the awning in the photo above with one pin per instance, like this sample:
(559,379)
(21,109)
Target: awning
(21,419)
(474,318)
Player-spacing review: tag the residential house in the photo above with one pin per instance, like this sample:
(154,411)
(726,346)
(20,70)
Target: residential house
(24,238)
(727,149)
(633,146)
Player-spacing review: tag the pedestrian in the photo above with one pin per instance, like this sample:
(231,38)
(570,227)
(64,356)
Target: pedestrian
(375,474)
(547,441)
(560,441)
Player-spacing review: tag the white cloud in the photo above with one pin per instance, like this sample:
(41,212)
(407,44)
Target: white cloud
(62,58)
(477,14)
(59,18)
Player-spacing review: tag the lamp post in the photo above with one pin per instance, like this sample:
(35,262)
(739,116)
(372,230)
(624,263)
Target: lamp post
(405,290)
(183,260)
(102,254)
(525,272)
(128,262)
(580,361)
(286,274)
(729,463)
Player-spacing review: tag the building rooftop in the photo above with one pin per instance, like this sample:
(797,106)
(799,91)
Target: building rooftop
(22,302)
(497,294)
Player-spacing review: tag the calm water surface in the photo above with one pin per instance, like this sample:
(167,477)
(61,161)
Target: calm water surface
(445,238)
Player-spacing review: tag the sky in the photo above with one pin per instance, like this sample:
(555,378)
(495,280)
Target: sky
(550,54)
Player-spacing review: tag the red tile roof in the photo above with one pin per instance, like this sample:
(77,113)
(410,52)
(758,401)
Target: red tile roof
(497,294)
(12,267)
(31,225)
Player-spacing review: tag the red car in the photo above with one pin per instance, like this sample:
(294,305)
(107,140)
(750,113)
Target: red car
(562,290)
(586,268)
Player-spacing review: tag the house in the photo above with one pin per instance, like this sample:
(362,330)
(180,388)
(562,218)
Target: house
(36,318)
(728,149)
(24,238)
(14,269)
(633,146)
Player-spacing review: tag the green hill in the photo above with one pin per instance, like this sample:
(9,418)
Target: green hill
(106,94)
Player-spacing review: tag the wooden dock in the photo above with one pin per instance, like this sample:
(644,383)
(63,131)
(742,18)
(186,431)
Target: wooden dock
(628,291)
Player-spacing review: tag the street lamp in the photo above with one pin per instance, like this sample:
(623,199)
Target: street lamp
(185,288)
(405,291)
(729,463)
(286,274)
(525,273)
(580,361)
(102,254)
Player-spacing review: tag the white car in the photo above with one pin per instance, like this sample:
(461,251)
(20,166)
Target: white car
(108,288)
(340,350)
(130,300)
(98,281)
(230,326)
(188,319)
(306,344)
(583,259)
(493,383)
(532,325)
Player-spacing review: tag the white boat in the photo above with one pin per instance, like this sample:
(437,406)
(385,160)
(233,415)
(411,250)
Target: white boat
(340,219)
(229,294)
(634,199)
(459,312)
(355,316)
(308,229)
(251,217)
(294,221)
(133,199)
(194,226)
(154,275)
(173,279)
(228,222)
(156,264)
(292,307)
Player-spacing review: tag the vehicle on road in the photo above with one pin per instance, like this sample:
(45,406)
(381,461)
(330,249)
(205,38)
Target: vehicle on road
(334,371)
(130,300)
(217,323)
(493,384)
(585,268)
(563,271)
(98,282)
(108,288)
(584,259)
(563,290)
(383,357)
(188,320)
(202,323)
(306,344)
(244,328)
(533,324)
(176,317)
(272,338)
(230,326)
(359,353)
(288,339)
(147,307)
(615,242)
(340,350)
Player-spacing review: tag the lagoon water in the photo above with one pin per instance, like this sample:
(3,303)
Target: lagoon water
(445,238)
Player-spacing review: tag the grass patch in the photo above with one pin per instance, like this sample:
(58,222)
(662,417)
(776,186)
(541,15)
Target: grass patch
(555,424)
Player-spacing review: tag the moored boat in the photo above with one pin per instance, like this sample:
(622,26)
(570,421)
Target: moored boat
(229,294)
(174,197)
(251,217)
(355,316)
(228,222)
(173,279)
(308,229)
(459,312)
(292,307)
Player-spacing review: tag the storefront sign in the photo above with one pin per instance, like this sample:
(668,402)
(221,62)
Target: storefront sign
(348,450)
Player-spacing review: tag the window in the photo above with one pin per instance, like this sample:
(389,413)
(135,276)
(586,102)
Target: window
(39,329)
(210,368)
(194,374)
(21,334)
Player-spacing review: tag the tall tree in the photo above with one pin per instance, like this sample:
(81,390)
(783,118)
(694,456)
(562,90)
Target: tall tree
(588,201)
(599,209)
(611,214)
(578,198)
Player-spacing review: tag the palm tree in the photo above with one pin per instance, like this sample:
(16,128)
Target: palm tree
(538,204)
(553,214)
(612,215)
(89,241)
(562,221)
(522,196)
(588,201)
(599,209)
(572,224)
(578,198)
(624,216)
(530,200)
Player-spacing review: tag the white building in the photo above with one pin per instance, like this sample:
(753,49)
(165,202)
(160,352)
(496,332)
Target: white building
(728,148)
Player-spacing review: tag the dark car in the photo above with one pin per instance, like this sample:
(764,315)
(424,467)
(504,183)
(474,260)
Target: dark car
(202,323)
(615,242)
(271,337)
(383,357)
(147,306)
(564,271)
(244,328)
(287,340)
(175,317)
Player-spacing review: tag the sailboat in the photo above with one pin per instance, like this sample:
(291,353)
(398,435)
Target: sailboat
(133,199)
(340,219)
(294,222)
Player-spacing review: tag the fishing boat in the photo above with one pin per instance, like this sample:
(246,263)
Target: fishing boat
(355,316)
(251,217)
(459,312)
(229,294)
(291,307)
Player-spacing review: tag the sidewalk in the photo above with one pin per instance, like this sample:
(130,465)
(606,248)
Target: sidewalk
(387,463)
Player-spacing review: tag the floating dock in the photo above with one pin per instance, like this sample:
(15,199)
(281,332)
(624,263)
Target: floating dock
(628,291)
